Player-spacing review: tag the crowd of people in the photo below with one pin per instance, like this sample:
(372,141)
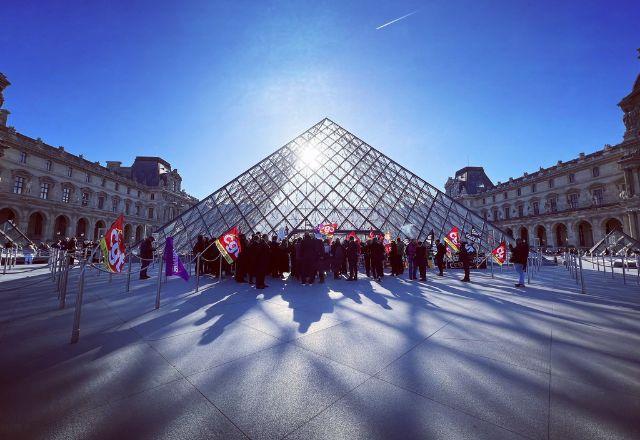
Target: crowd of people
(308,258)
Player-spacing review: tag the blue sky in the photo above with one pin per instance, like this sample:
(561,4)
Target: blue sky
(215,86)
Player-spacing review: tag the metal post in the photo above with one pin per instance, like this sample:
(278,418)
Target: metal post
(75,332)
(129,275)
(582,289)
(624,274)
(63,287)
(611,260)
(597,262)
(491,256)
(4,271)
(220,271)
(159,281)
(197,272)
(528,272)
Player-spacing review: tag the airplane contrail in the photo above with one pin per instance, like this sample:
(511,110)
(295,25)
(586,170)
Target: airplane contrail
(397,19)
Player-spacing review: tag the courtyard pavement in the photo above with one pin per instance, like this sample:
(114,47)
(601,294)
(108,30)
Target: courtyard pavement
(354,360)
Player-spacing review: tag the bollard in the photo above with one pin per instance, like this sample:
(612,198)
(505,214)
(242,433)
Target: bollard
(4,260)
(597,263)
(624,275)
(198,272)
(582,289)
(159,282)
(75,332)
(63,288)
(491,256)
(220,270)
(129,275)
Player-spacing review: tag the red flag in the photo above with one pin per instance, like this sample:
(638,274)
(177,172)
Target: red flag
(499,254)
(229,245)
(453,239)
(354,235)
(112,246)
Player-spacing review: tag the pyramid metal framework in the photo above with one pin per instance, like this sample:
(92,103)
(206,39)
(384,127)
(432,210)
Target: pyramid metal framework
(327,174)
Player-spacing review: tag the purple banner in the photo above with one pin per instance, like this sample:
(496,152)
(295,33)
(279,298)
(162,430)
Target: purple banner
(173,264)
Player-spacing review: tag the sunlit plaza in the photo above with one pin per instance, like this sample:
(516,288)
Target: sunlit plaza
(396,359)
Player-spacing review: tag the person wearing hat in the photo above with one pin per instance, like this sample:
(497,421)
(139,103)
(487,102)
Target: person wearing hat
(464,257)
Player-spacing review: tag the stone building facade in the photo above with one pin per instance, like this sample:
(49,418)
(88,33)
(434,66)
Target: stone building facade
(50,193)
(574,203)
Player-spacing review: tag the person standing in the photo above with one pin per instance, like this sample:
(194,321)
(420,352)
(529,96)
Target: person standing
(377,259)
(352,257)
(261,261)
(411,253)
(465,259)
(241,262)
(320,258)
(308,259)
(366,253)
(402,250)
(395,259)
(337,256)
(520,257)
(441,250)
(146,255)
(420,261)
(274,260)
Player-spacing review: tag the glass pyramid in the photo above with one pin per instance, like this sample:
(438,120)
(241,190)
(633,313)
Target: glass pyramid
(329,175)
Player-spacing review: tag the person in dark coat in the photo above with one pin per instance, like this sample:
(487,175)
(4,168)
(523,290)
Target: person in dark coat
(377,259)
(241,262)
(285,251)
(251,258)
(320,259)
(520,257)
(274,257)
(308,255)
(261,255)
(146,255)
(366,253)
(297,254)
(465,259)
(420,261)
(411,254)
(337,256)
(395,259)
(352,258)
(441,250)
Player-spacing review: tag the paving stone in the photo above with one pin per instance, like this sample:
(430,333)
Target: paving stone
(270,393)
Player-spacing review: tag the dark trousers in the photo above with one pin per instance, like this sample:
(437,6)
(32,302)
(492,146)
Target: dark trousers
(423,271)
(466,272)
(143,269)
(440,263)
(367,265)
(377,267)
(353,269)
(260,279)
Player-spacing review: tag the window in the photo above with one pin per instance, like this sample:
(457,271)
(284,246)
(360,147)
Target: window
(69,171)
(519,192)
(66,195)
(138,193)
(598,196)
(44,190)
(533,187)
(496,214)
(551,183)
(553,204)
(128,190)
(571,177)
(150,213)
(104,182)
(117,186)
(23,157)
(494,198)
(47,165)
(484,201)
(506,213)
(153,196)
(572,200)
(137,210)
(87,178)
(536,208)
(127,208)
(18,185)
(505,195)
(595,172)
(101,202)
(85,199)
(484,215)
(114,205)
(520,210)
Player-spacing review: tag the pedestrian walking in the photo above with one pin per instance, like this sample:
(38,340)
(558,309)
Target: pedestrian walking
(465,259)
(519,258)
(441,250)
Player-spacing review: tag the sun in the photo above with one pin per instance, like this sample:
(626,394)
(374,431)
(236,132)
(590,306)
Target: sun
(309,155)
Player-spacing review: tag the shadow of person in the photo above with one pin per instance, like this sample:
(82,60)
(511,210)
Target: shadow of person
(309,304)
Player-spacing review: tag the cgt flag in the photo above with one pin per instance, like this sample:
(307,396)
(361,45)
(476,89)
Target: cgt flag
(173,264)
(229,245)
(499,254)
(112,246)
(453,239)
